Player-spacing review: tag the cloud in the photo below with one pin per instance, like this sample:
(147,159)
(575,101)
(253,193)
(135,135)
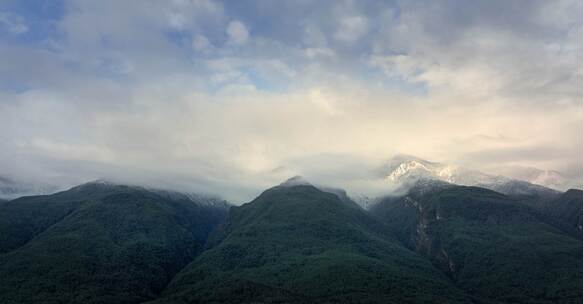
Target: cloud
(232,97)
(351,29)
(237,32)
(13,23)
(201,44)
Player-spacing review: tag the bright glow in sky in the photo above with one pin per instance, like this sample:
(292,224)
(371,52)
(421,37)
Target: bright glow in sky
(235,96)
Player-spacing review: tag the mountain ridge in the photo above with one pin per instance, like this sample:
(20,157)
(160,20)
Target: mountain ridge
(98,244)
(488,243)
(405,170)
(293,243)
(290,244)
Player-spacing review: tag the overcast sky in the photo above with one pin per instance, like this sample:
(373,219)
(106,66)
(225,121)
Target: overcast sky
(235,96)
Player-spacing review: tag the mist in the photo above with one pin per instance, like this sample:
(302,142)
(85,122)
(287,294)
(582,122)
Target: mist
(207,96)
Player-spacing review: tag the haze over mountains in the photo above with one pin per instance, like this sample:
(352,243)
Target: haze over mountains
(394,175)
(403,167)
(246,151)
(10,189)
(103,242)
(404,170)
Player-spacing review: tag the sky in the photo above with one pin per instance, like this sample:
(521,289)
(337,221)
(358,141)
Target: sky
(235,96)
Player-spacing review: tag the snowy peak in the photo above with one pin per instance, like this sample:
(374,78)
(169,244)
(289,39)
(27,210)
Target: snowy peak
(416,169)
(410,170)
(402,169)
(548,178)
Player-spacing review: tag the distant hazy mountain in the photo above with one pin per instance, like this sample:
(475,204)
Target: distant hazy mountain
(407,170)
(11,189)
(99,243)
(548,178)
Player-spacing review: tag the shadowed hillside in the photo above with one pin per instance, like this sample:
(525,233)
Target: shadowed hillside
(298,244)
(98,243)
(488,243)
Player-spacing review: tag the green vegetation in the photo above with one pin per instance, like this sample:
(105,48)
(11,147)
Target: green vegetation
(24,218)
(301,245)
(98,244)
(489,244)
(567,208)
(102,243)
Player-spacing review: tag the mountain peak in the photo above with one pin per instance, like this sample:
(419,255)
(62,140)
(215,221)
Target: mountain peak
(102,181)
(571,192)
(406,170)
(295,181)
(101,184)
(203,199)
(410,168)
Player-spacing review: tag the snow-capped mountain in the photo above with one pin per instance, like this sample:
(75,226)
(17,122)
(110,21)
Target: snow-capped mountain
(402,168)
(405,169)
(548,178)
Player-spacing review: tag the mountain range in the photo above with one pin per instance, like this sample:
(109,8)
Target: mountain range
(406,170)
(401,170)
(99,243)
(449,235)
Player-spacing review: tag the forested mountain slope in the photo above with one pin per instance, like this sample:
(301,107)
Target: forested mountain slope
(299,244)
(489,244)
(98,243)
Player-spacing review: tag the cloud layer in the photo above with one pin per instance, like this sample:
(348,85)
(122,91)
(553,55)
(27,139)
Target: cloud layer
(235,96)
